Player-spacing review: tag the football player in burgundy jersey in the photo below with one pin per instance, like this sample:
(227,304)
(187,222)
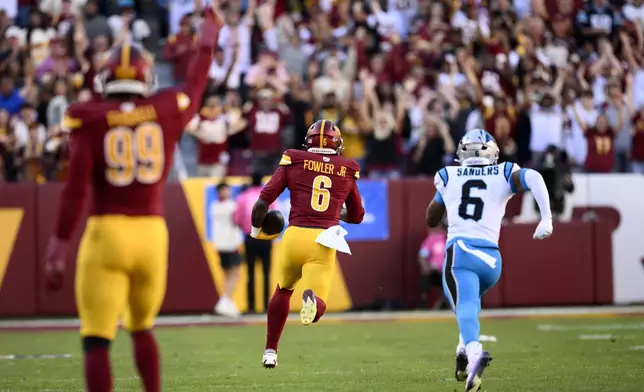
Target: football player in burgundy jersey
(122,146)
(320,182)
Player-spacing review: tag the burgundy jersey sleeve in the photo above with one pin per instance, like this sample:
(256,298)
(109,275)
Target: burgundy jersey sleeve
(81,164)
(355,209)
(275,185)
(197,78)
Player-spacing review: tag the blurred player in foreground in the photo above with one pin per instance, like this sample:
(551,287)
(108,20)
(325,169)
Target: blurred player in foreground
(474,195)
(320,181)
(122,146)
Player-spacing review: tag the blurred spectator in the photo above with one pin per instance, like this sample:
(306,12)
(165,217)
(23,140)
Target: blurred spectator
(127,25)
(254,248)
(96,25)
(56,8)
(383,144)
(57,65)
(180,48)
(267,122)
(58,104)
(581,113)
(597,18)
(268,73)
(11,98)
(600,157)
(235,36)
(430,258)
(403,80)
(435,142)
(554,166)
(226,239)
(38,37)
(212,126)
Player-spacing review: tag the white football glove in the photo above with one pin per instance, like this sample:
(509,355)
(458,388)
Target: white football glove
(544,229)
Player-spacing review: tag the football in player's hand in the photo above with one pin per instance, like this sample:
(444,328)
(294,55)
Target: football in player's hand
(273,223)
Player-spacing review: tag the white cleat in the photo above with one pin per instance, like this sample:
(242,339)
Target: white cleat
(226,307)
(309,307)
(474,382)
(269,360)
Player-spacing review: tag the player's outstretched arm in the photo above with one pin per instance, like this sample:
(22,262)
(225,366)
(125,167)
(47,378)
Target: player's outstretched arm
(530,180)
(354,212)
(197,77)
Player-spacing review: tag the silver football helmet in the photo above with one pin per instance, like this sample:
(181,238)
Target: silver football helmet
(477,148)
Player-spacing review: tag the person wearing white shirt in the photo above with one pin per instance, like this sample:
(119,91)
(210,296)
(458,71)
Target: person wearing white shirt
(546,120)
(634,11)
(235,36)
(583,115)
(138,29)
(226,237)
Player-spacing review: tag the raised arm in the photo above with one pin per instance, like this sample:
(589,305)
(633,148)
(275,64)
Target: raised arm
(195,83)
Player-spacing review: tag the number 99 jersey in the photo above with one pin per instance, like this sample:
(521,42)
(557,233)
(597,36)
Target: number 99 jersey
(127,149)
(320,184)
(475,199)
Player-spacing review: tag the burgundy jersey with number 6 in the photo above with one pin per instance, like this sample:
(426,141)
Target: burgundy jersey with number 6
(319,186)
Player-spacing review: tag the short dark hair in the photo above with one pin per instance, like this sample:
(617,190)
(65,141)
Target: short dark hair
(256,179)
(222,185)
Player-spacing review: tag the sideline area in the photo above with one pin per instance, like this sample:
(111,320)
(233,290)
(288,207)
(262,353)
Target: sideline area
(349,317)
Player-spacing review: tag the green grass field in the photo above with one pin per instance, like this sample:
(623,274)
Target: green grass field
(377,356)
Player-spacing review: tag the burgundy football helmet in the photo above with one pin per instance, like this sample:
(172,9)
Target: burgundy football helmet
(324,137)
(126,70)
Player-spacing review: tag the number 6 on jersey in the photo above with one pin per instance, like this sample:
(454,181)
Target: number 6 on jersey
(321,196)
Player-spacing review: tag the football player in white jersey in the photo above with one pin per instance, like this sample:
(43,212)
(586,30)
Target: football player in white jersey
(474,196)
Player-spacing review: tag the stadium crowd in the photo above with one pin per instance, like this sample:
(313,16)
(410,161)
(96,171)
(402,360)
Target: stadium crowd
(403,79)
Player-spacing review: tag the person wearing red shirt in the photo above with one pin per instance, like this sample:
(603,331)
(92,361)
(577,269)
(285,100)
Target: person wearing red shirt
(600,157)
(266,122)
(180,49)
(637,146)
(212,126)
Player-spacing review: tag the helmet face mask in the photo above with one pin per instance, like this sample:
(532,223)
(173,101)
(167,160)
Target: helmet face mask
(477,148)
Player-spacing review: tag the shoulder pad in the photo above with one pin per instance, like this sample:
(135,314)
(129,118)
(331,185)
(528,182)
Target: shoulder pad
(71,120)
(353,164)
(172,39)
(183,101)
(286,160)
(289,156)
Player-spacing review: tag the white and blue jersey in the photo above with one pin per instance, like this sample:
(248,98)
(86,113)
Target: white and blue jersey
(475,200)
